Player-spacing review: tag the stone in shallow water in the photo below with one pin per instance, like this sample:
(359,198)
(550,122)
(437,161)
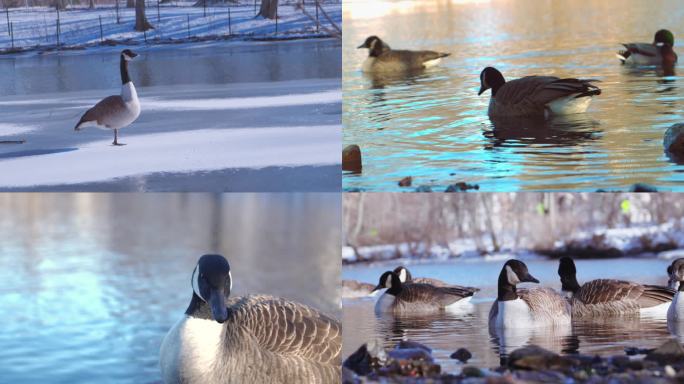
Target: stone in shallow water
(351,158)
(670,352)
(538,359)
(408,344)
(462,355)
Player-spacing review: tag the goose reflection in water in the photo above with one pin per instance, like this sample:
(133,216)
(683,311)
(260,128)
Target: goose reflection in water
(559,131)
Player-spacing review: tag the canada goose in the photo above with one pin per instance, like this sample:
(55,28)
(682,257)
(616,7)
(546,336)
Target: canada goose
(406,277)
(520,308)
(257,339)
(536,95)
(353,289)
(382,58)
(675,278)
(604,297)
(660,52)
(117,111)
(410,297)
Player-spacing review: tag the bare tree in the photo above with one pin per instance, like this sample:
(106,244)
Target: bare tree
(130,3)
(60,4)
(269,9)
(141,23)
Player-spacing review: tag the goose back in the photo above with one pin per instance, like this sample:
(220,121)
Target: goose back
(420,298)
(616,297)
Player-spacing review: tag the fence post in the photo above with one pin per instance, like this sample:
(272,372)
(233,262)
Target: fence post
(58,42)
(145,35)
(12,34)
(255,12)
(101,31)
(317,23)
(276,16)
(118,20)
(158,13)
(204,5)
(230,31)
(188,25)
(8,22)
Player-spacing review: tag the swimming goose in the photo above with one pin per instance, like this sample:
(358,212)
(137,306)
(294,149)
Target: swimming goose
(117,111)
(675,313)
(249,339)
(410,297)
(406,277)
(673,281)
(604,297)
(522,308)
(536,95)
(660,52)
(382,58)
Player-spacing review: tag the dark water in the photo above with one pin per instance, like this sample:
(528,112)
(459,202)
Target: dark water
(92,282)
(446,332)
(433,126)
(211,63)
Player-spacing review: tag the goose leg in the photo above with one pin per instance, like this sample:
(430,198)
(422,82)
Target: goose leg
(116,137)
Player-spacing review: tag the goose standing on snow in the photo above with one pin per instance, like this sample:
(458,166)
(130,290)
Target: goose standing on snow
(524,308)
(606,297)
(382,58)
(409,297)
(536,95)
(406,277)
(660,52)
(117,111)
(249,339)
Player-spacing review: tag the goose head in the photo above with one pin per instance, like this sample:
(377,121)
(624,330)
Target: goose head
(568,275)
(515,272)
(675,273)
(403,273)
(389,280)
(375,46)
(128,55)
(663,37)
(491,78)
(211,283)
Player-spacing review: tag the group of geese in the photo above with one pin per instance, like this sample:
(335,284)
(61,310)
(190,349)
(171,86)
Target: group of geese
(530,307)
(531,95)
(249,339)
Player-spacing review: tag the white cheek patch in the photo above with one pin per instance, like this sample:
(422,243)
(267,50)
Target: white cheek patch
(372,44)
(195,283)
(230,276)
(512,276)
(388,281)
(402,275)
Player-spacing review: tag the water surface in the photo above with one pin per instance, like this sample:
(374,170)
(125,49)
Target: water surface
(447,331)
(92,282)
(433,125)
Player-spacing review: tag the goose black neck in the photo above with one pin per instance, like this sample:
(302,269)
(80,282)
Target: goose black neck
(681,286)
(124,71)
(198,308)
(395,290)
(507,291)
(570,284)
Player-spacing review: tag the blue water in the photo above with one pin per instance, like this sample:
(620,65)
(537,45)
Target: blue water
(92,282)
(434,127)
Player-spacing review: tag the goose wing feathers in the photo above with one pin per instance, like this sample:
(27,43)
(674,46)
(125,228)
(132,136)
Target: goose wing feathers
(602,291)
(644,49)
(537,91)
(289,329)
(429,293)
(440,283)
(544,302)
(414,58)
(108,106)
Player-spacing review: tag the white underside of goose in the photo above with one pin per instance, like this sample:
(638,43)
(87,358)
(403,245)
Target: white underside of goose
(120,117)
(659,310)
(432,63)
(462,306)
(513,314)
(189,351)
(675,312)
(568,105)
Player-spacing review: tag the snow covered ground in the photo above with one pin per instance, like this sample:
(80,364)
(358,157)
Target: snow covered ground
(194,134)
(36,27)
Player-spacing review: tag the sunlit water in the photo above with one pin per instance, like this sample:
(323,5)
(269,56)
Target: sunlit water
(447,331)
(433,126)
(92,283)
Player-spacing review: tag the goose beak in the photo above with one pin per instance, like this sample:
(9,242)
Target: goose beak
(529,279)
(377,288)
(482,89)
(218,306)
(361,46)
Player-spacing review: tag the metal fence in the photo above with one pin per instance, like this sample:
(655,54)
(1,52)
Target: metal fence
(78,26)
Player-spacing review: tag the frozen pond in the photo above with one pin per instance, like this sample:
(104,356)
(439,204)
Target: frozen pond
(446,332)
(207,110)
(92,282)
(434,127)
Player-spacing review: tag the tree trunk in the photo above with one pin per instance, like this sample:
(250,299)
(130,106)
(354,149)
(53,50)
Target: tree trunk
(141,23)
(60,4)
(92,4)
(130,3)
(269,9)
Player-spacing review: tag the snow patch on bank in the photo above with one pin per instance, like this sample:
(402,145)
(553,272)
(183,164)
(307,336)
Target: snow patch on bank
(186,151)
